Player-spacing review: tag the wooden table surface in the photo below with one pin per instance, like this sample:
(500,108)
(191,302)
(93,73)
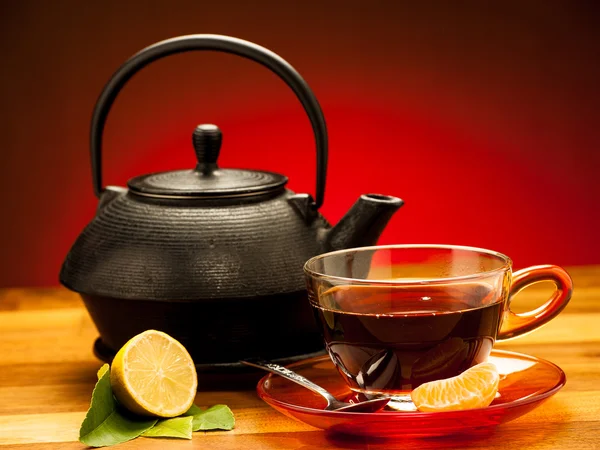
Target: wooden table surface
(48,371)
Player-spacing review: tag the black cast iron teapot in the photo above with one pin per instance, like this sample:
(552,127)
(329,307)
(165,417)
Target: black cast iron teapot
(211,256)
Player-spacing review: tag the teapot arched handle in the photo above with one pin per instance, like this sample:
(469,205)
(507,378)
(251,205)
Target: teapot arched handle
(224,44)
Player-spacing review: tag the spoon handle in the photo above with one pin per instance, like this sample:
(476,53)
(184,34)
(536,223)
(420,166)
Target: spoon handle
(290,375)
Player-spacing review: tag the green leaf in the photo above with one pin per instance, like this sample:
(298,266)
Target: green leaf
(192,411)
(218,417)
(102,370)
(179,427)
(104,424)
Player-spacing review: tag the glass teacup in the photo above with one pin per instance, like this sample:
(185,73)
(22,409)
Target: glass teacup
(394,317)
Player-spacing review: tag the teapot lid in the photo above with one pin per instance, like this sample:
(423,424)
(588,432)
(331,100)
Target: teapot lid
(207,179)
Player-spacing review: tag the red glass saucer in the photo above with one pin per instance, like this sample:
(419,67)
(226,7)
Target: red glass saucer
(525,382)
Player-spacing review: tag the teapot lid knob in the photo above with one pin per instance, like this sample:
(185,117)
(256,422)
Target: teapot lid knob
(207,144)
(207,180)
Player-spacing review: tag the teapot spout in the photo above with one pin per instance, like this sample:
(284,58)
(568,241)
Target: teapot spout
(363,223)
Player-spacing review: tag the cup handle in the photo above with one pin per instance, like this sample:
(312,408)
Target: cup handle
(515,324)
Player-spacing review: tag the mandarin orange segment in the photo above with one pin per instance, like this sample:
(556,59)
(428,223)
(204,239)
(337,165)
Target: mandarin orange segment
(474,388)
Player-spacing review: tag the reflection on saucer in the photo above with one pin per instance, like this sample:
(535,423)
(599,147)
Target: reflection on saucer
(510,366)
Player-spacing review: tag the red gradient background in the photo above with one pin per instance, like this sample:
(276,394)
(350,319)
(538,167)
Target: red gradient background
(483,118)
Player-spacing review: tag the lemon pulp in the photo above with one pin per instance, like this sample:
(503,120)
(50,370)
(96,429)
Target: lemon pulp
(154,375)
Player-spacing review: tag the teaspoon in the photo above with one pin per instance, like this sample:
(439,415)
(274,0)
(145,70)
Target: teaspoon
(333,404)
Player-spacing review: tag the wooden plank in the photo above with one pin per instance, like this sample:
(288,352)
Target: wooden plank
(582,301)
(65,347)
(64,427)
(76,397)
(552,436)
(41,323)
(50,373)
(30,388)
(51,298)
(573,328)
(52,336)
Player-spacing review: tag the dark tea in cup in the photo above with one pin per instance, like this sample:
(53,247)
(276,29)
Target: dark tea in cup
(395,338)
(395,317)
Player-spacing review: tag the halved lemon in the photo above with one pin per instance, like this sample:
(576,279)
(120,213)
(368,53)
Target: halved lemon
(154,375)
(474,388)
